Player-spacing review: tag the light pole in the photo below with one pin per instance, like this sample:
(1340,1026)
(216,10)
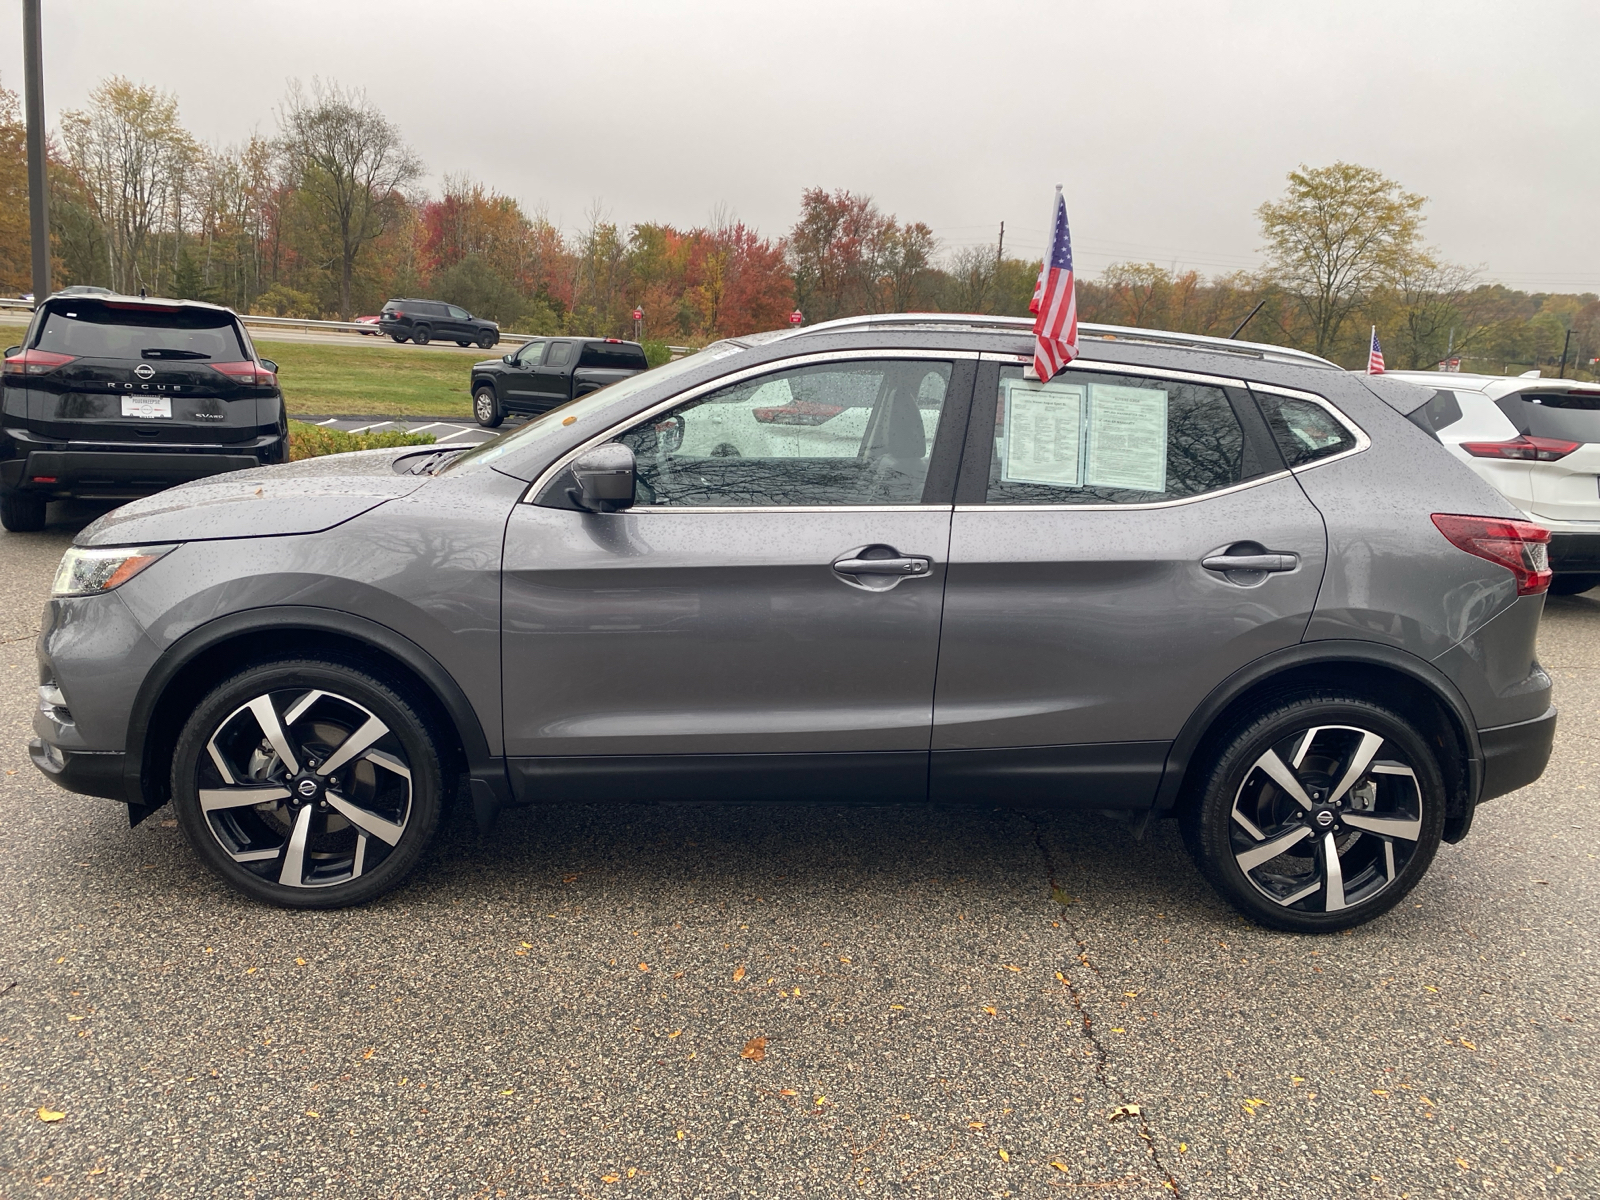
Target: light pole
(38,198)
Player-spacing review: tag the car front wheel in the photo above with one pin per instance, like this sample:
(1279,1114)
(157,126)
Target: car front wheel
(307,784)
(1318,814)
(486,408)
(487,341)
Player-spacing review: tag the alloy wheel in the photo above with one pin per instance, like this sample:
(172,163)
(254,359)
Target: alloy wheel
(1327,819)
(305,788)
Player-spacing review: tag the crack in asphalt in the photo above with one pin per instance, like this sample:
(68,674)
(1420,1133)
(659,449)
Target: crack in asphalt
(1098,1051)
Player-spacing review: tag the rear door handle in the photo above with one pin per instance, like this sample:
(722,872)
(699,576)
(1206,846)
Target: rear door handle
(1251,562)
(883,566)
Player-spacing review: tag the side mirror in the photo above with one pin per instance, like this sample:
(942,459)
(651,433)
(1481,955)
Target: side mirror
(506,358)
(605,479)
(270,365)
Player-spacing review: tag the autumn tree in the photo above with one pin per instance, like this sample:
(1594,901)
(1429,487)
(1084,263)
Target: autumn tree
(16,263)
(1337,233)
(351,167)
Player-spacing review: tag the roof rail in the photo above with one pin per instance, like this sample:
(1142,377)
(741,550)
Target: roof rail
(1110,333)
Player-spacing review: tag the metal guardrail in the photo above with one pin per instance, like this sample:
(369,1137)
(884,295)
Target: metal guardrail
(312,325)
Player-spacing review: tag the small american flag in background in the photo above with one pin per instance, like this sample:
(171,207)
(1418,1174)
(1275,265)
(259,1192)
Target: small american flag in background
(1055,300)
(1375,355)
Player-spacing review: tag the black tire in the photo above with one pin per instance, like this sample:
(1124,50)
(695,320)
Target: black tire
(391,786)
(1561,585)
(463,343)
(487,341)
(421,334)
(1383,827)
(486,407)
(22,512)
(399,337)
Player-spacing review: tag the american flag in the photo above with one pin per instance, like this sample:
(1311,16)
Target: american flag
(1375,355)
(1055,300)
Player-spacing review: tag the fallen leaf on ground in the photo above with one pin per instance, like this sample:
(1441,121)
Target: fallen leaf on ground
(1467,1044)
(632,1171)
(974,1124)
(1009,967)
(755,1049)
(644,966)
(1125,1110)
(309,1113)
(843,959)
(989,1008)
(1119,1030)
(1061,1166)
(788,1092)
(371,1050)
(47,1114)
(509,1092)
(1061,897)
(674,1033)
(299,962)
(1004,1157)
(1463,1164)
(738,974)
(609,1178)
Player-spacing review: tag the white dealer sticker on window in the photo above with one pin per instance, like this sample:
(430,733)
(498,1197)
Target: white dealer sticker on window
(1127,438)
(1043,432)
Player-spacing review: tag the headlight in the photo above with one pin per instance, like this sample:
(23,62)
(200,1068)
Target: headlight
(86,572)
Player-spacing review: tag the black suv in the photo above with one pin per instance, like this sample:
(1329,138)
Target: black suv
(111,398)
(421,321)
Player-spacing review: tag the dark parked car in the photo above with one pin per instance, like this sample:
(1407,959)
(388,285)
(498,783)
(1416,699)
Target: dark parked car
(550,371)
(421,321)
(870,560)
(111,398)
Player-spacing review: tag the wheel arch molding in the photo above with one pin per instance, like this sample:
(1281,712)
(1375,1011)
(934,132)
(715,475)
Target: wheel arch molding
(1383,674)
(196,662)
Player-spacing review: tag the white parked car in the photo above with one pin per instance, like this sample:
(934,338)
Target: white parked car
(1537,441)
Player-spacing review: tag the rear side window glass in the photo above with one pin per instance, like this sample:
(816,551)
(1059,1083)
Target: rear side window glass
(1304,431)
(1091,438)
(832,434)
(1569,416)
(90,330)
(612,357)
(560,352)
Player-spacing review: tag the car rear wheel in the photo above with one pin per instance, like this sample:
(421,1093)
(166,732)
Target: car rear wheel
(1318,814)
(420,335)
(487,341)
(307,784)
(486,407)
(399,337)
(1571,585)
(22,512)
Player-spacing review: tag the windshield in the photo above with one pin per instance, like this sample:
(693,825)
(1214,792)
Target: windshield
(542,426)
(94,329)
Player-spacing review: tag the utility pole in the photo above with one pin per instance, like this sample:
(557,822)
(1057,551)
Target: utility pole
(1000,250)
(38,197)
(1565,346)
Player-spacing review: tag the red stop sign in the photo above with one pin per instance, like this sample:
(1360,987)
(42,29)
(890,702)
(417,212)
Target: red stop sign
(796,317)
(638,314)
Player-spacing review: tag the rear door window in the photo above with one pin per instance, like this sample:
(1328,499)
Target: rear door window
(560,354)
(1103,438)
(612,357)
(87,329)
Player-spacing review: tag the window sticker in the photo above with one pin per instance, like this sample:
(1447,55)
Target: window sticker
(1043,432)
(1127,438)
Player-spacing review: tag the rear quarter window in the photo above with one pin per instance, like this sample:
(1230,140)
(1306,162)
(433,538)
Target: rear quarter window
(1440,412)
(1305,431)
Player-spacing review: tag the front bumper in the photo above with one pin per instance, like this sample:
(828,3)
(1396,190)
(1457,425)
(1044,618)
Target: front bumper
(1515,755)
(121,474)
(89,773)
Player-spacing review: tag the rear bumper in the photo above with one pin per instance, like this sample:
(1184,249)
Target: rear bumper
(1515,755)
(120,474)
(1575,552)
(81,771)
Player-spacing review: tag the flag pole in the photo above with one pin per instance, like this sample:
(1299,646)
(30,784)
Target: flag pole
(1371,338)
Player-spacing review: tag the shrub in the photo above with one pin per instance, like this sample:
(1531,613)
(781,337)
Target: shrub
(310,441)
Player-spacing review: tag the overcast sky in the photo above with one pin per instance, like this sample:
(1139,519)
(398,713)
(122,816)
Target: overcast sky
(1167,121)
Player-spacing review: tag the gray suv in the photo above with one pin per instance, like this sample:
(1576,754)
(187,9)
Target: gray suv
(871,560)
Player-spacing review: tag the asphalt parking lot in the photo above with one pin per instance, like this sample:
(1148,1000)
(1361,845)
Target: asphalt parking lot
(963,1002)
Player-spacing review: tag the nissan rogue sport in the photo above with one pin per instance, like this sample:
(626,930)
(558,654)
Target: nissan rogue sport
(870,560)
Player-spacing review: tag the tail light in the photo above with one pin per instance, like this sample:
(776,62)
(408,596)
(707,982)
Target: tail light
(36,362)
(1526,447)
(1520,546)
(250,374)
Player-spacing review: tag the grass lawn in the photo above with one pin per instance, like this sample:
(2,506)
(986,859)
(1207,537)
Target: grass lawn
(370,378)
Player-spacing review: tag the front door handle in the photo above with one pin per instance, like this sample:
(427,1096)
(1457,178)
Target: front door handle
(883,566)
(1270,561)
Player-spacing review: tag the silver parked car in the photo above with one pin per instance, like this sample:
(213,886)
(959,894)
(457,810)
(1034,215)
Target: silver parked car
(868,560)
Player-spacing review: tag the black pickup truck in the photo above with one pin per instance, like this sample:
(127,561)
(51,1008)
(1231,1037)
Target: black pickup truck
(547,372)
